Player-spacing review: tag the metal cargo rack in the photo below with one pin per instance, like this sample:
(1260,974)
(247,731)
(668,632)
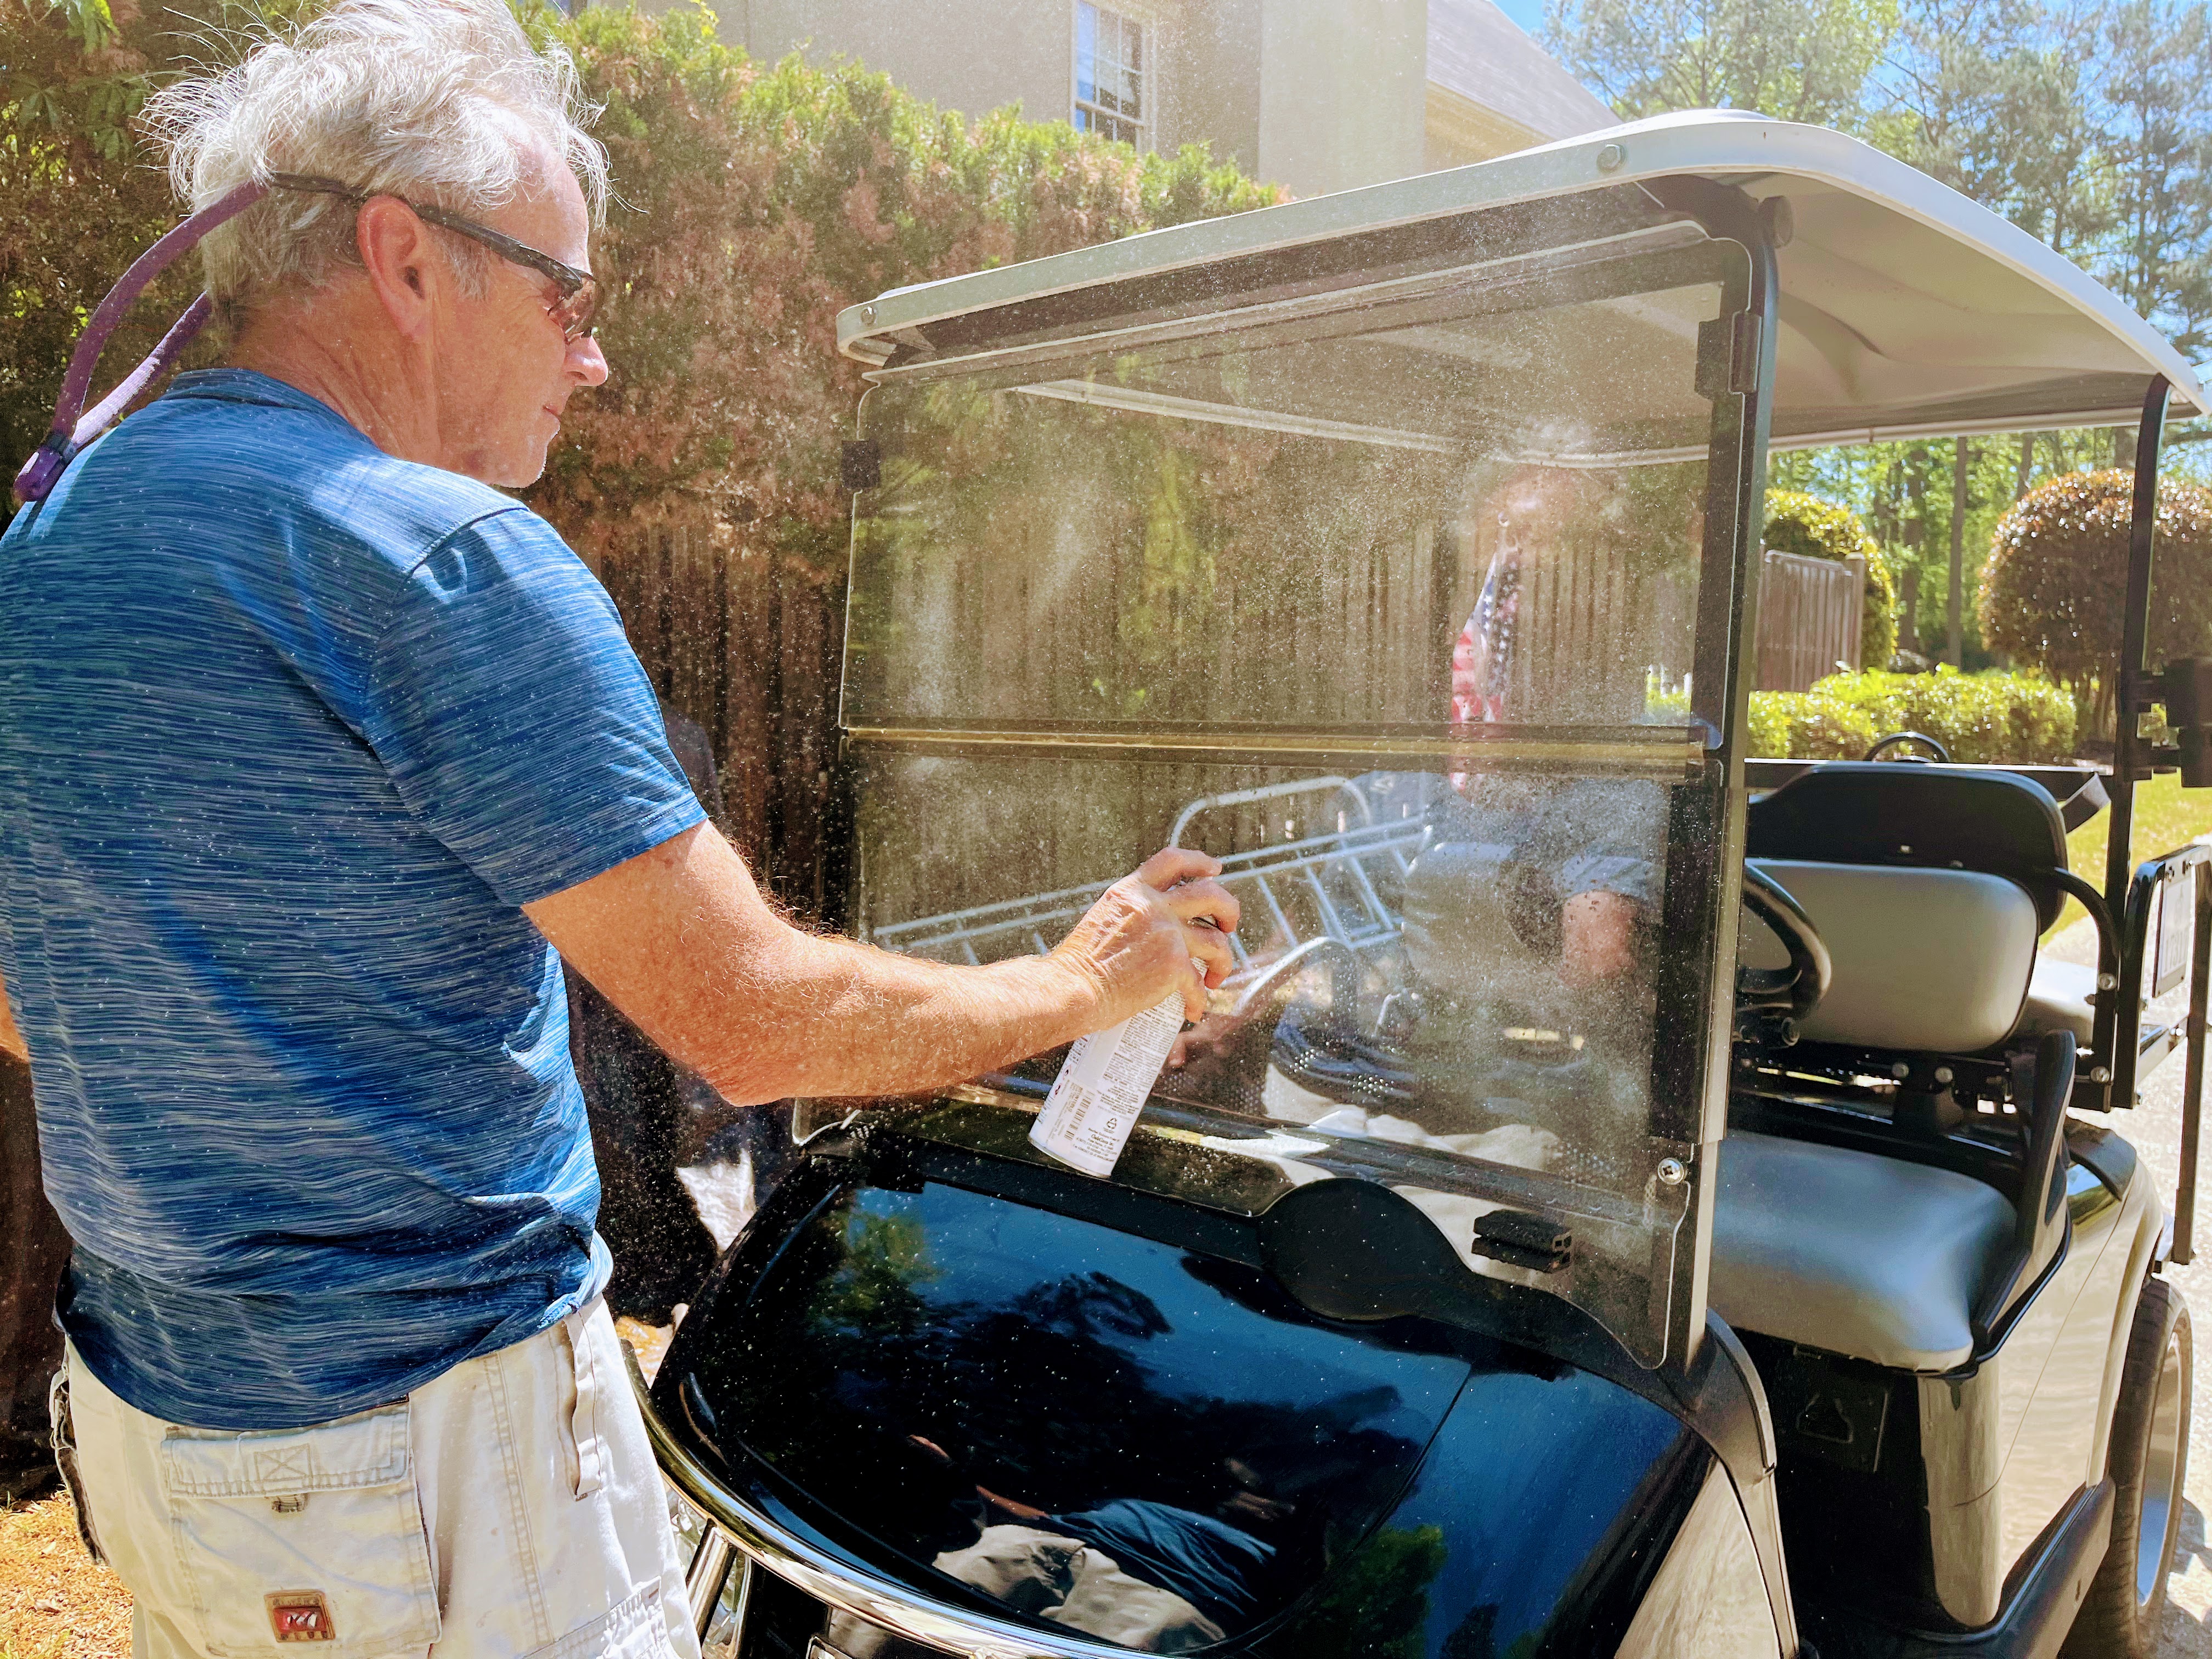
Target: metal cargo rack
(1336,887)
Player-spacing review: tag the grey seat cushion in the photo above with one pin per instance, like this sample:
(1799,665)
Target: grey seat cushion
(1925,960)
(1851,1252)
(2061,998)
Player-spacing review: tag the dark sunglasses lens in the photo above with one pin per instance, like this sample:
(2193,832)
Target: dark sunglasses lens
(574,314)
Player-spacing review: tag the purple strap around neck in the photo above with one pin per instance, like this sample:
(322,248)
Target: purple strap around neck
(69,433)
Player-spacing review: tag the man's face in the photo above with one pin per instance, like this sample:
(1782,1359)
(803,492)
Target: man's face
(506,375)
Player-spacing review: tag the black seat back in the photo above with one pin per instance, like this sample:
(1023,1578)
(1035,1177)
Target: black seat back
(1903,812)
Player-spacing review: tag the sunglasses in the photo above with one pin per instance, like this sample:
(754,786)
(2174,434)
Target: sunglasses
(580,289)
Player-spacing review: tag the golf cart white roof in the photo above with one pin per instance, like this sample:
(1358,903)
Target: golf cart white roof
(1906,309)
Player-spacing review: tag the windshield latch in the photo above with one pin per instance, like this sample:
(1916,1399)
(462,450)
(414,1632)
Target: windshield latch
(1521,1239)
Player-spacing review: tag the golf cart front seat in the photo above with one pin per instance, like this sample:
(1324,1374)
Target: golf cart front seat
(1930,886)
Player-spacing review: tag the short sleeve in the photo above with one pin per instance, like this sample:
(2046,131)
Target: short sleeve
(1607,838)
(514,718)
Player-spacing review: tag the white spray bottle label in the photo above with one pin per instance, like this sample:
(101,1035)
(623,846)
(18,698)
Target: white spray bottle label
(1102,1085)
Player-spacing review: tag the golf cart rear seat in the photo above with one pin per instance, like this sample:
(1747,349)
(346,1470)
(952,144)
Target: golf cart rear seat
(1886,834)
(1929,887)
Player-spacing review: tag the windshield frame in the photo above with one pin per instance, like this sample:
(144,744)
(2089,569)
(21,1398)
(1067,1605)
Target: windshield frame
(1702,761)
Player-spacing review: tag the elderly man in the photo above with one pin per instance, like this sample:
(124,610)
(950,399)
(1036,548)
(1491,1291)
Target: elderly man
(314,749)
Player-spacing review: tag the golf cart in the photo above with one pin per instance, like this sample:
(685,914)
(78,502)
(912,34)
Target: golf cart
(1632,1199)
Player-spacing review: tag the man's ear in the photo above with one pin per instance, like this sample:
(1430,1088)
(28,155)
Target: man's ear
(402,265)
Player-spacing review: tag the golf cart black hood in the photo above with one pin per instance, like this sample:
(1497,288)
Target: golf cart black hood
(958,1391)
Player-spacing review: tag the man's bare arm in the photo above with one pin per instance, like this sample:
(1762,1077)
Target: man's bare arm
(680,939)
(11,1040)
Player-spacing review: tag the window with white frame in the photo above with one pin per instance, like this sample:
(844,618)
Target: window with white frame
(1114,96)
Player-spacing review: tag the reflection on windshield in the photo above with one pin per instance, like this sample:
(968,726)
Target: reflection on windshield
(1517,997)
(1093,1430)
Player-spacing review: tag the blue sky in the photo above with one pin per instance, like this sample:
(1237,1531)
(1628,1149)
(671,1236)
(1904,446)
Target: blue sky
(1529,13)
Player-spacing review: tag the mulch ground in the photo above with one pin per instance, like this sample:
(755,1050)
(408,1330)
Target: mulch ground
(54,1602)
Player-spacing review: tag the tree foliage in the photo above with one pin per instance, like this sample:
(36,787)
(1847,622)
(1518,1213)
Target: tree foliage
(1803,60)
(753,202)
(2055,587)
(2088,123)
(1814,529)
(2155,85)
(1992,97)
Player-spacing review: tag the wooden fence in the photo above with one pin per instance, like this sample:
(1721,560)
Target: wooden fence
(748,646)
(1809,616)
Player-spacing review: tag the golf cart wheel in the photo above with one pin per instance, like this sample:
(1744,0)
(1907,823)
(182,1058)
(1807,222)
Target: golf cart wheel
(2120,1616)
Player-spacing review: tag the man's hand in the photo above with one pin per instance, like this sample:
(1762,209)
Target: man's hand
(680,939)
(1147,935)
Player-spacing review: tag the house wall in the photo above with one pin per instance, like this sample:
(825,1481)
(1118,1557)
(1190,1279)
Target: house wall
(1220,65)
(1458,132)
(1341,90)
(975,56)
(1317,96)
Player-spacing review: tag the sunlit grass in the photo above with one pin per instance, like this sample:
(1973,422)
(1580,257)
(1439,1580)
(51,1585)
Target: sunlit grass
(2166,817)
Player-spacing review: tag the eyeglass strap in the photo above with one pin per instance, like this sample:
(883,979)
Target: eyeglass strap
(70,433)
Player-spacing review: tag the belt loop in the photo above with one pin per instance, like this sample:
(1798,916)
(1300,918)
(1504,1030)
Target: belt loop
(584,1421)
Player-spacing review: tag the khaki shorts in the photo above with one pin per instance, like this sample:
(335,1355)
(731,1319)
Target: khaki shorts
(510,1508)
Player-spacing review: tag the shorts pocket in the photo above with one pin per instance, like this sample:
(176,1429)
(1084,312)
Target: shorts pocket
(304,1541)
(637,1629)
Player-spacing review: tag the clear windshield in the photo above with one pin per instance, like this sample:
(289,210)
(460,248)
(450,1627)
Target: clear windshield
(1400,624)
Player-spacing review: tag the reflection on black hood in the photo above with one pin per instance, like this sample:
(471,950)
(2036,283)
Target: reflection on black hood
(1093,1430)
(935,1364)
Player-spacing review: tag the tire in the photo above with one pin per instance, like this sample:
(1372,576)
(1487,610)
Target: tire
(2149,1457)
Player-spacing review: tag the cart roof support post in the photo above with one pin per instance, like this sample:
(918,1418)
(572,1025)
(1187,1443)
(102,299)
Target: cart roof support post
(2128,686)
(1726,667)
(2192,1085)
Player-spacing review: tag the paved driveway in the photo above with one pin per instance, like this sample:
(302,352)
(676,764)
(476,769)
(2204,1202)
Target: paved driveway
(2155,1129)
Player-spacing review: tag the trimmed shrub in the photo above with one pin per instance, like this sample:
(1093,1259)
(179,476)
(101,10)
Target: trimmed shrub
(1979,718)
(1814,529)
(1806,725)
(2055,583)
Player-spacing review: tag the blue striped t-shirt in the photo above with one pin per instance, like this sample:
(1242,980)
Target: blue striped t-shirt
(288,730)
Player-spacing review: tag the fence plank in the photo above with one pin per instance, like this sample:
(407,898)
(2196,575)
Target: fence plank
(1810,616)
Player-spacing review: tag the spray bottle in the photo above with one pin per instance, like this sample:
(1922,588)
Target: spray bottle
(1101,1087)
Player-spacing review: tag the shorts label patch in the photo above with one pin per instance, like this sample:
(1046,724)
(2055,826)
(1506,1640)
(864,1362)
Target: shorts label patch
(301,1616)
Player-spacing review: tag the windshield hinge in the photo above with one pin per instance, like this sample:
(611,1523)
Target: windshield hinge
(1728,355)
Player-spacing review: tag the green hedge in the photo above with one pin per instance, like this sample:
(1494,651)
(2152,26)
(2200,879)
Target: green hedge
(1985,718)
(751,202)
(1805,725)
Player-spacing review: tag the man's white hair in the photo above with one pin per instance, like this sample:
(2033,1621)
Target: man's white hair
(441,101)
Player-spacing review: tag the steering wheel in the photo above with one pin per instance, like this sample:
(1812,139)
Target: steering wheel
(1793,991)
(1894,739)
